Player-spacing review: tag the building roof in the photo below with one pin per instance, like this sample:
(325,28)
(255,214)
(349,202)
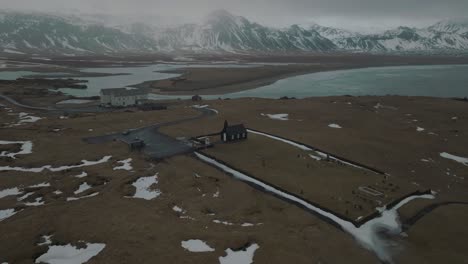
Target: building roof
(123,92)
(235,129)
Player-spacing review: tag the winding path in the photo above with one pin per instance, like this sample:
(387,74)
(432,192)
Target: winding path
(16,103)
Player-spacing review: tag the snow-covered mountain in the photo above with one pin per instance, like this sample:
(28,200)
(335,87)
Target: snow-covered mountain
(220,32)
(440,38)
(223,31)
(42,33)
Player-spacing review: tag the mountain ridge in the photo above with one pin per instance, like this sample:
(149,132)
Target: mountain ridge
(220,32)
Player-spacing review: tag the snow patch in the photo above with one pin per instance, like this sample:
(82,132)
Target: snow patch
(461,160)
(196,245)
(125,165)
(222,222)
(143,188)
(82,188)
(40,185)
(4,214)
(281,117)
(178,209)
(26,118)
(81,175)
(26,148)
(70,254)
(420,129)
(239,257)
(84,163)
(334,126)
(47,240)
(10,192)
(69,199)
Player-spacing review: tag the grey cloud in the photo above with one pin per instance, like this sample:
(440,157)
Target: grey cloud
(274,11)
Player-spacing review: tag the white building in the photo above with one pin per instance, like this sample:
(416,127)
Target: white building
(122,96)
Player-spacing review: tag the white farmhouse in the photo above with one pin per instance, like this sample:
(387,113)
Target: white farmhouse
(122,96)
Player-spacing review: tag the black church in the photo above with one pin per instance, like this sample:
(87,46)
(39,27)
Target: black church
(233,133)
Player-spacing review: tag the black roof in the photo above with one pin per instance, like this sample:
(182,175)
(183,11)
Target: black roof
(235,129)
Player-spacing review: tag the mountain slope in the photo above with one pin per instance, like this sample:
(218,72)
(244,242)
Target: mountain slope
(438,38)
(220,32)
(38,33)
(225,32)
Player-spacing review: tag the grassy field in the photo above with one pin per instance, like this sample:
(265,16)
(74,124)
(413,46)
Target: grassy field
(142,231)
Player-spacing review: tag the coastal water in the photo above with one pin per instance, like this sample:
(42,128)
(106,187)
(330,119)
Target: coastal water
(435,81)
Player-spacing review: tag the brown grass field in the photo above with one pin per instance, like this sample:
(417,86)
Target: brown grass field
(141,231)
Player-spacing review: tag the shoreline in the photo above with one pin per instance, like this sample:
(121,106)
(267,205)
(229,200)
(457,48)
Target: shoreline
(251,84)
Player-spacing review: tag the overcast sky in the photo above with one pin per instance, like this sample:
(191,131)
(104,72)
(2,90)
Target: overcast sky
(357,14)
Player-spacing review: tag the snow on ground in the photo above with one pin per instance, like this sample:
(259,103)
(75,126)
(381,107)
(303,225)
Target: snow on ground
(24,197)
(69,199)
(368,235)
(143,188)
(282,117)
(58,192)
(250,224)
(216,194)
(222,222)
(420,129)
(300,146)
(25,118)
(40,185)
(84,163)
(125,165)
(178,209)
(4,214)
(47,240)
(70,254)
(461,160)
(9,192)
(196,245)
(315,157)
(26,148)
(81,175)
(82,188)
(205,107)
(334,126)
(239,257)
(37,202)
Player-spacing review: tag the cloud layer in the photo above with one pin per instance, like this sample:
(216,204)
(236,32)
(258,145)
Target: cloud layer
(333,12)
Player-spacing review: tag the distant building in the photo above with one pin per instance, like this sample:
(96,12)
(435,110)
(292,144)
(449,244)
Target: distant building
(233,133)
(122,97)
(134,144)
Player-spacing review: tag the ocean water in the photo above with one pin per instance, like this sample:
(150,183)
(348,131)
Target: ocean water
(435,81)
